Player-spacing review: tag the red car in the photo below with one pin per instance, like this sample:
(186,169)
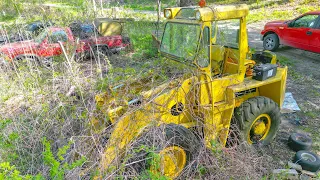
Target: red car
(302,32)
(46,45)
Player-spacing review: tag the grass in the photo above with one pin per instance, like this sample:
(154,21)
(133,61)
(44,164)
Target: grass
(35,100)
(284,61)
(7,18)
(311,114)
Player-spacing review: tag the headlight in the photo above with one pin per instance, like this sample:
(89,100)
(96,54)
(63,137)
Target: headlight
(198,15)
(167,13)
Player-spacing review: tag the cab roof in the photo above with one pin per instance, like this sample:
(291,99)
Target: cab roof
(313,12)
(211,13)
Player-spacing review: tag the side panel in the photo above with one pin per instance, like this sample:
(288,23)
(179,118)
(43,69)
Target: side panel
(273,91)
(273,88)
(314,40)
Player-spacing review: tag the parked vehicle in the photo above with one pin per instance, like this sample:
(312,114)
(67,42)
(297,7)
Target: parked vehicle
(46,45)
(302,32)
(175,119)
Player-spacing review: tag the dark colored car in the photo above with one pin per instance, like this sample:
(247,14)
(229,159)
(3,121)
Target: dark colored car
(302,32)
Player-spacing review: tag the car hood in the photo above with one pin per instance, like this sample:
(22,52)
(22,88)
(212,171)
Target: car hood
(17,45)
(277,23)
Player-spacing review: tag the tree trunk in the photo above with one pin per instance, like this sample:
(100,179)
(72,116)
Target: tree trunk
(159,14)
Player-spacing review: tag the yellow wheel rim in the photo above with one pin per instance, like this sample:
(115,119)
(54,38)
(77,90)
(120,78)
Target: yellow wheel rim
(172,161)
(259,128)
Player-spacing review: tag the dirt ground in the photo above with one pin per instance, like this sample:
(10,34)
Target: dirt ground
(304,83)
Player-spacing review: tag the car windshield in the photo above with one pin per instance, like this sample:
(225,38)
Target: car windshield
(181,40)
(41,36)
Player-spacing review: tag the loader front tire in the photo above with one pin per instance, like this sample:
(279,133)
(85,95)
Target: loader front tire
(165,150)
(258,119)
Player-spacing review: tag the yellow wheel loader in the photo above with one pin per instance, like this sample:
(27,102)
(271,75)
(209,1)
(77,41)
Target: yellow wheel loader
(228,85)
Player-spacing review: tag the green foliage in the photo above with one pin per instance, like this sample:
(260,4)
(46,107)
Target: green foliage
(147,174)
(311,114)
(216,147)
(153,163)
(202,170)
(284,60)
(146,5)
(8,172)
(309,1)
(57,169)
(306,8)
(7,18)
(49,159)
(140,35)
(7,141)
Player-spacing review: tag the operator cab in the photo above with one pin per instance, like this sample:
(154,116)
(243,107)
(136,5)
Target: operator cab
(207,37)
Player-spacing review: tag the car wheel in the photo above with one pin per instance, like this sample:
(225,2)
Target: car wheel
(166,150)
(298,141)
(271,42)
(309,161)
(258,119)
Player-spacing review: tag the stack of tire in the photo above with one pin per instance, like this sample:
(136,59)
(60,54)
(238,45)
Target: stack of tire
(308,160)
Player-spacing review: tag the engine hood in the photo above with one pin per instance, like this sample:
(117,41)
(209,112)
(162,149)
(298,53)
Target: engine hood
(16,48)
(18,45)
(117,99)
(277,23)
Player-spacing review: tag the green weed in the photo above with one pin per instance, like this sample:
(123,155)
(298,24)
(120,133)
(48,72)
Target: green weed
(9,172)
(57,168)
(311,114)
(284,61)
(294,74)
(308,1)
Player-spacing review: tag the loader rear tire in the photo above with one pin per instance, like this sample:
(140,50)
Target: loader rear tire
(258,119)
(167,150)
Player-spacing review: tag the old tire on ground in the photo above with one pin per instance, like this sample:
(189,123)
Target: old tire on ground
(298,141)
(258,119)
(309,161)
(174,145)
(271,42)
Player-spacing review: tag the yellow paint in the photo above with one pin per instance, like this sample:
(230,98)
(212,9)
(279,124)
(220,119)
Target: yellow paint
(260,126)
(174,11)
(109,28)
(214,13)
(209,95)
(172,161)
